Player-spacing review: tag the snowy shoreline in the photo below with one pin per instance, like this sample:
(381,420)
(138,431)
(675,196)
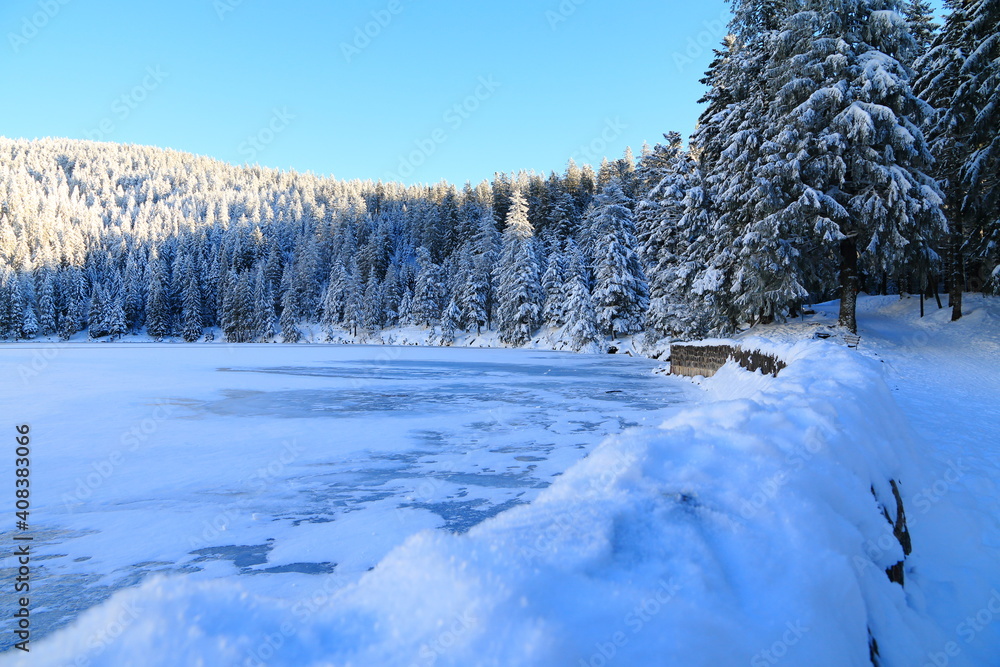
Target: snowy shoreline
(740,529)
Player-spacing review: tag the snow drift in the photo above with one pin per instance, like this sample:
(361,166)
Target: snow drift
(741,530)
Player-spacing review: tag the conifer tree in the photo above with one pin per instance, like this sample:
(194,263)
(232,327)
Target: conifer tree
(450,322)
(517,277)
(289,314)
(237,308)
(263,307)
(191,308)
(580,328)
(47,305)
(553,280)
(95,321)
(960,78)
(114,313)
(158,306)
(621,294)
(857,183)
(373,304)
(430,291)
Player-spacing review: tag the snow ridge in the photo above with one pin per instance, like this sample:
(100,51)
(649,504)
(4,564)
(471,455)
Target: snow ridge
(741,529)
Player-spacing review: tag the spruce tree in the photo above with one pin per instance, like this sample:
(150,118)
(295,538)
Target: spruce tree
(263,307)
(289,314)
(553,280)
(114,313)
(450,322)
(96,320)
(158,305)
(580,328)
(430,291)
(621,294)
(849,155)
(960,78)
(47,305)
(517,277)
(237,308)
(373,304)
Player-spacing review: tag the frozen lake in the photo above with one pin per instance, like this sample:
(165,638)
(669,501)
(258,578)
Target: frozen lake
(278,464)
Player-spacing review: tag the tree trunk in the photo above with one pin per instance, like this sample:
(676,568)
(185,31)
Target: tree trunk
(933,289)
(849,284)
(957,271)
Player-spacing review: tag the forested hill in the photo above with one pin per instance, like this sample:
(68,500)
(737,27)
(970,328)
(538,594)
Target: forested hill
(113,239)
(842,148)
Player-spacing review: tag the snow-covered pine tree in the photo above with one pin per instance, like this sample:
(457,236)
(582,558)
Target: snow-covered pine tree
(13,305)
(621,293)
(580,328)
(114,312)
(191,307)
(289,315)
(334,297)
(354,315)
(71,292)
(237,308)
(516,277)
(430,291)
(97,326)
(390,297)
(679,247)
(981,169)
(158,305)
(480,295)
(960,78)
(306,276)
(847,149)
(47,305)
(373,304)
(264,317)
(553,280)
(29,328)
(133,285)
(920,19)
(451,321)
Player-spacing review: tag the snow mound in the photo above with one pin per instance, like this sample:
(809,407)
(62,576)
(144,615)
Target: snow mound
(740,530)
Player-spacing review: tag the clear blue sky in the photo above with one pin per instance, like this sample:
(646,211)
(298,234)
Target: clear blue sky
(535,80)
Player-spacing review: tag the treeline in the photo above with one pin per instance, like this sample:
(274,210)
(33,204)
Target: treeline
(119,239)
(843,147)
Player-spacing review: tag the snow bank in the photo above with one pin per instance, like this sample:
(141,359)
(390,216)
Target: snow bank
(740,531)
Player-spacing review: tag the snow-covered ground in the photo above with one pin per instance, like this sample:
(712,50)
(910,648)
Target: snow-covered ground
(738,527)
(945,376)
(278,464)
